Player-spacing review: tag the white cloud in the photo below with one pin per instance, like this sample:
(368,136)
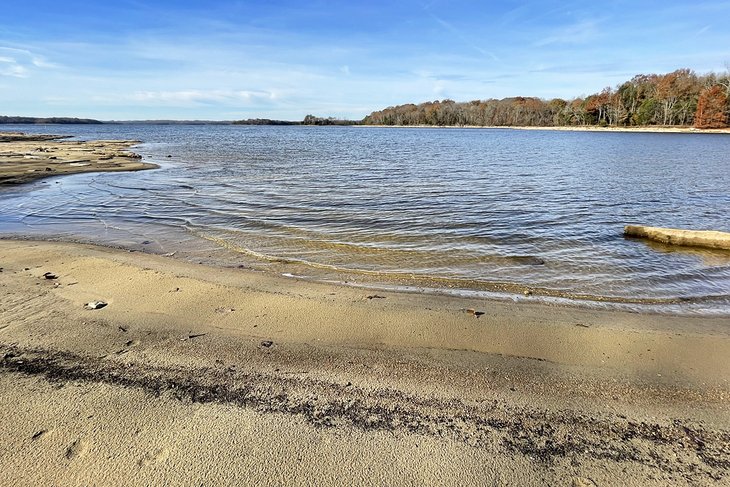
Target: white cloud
(10,67)
(19,63)
(186,97)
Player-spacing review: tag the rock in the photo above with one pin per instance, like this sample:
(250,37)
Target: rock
(50,275)
(95,305)
(267,343)
(474,312)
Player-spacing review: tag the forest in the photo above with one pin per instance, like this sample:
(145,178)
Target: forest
(679,98)
(37,120)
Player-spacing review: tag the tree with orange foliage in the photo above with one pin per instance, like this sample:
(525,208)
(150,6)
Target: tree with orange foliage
(712,108)
(671,89)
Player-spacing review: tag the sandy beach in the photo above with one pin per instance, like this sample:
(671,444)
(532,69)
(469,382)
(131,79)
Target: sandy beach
(195,375)
(28,157)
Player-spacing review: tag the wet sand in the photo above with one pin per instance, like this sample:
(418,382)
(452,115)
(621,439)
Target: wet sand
(28,157)
(192,374)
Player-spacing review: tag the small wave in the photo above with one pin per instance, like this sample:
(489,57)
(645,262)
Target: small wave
(455,285)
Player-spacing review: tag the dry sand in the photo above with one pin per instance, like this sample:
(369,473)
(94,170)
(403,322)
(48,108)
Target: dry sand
(209,376)
(571,128)
(27,157)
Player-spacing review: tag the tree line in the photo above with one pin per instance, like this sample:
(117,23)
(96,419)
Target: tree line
(679,98)
(308,120)
(36,120)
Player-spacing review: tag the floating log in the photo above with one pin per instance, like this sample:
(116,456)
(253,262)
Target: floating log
(673,236)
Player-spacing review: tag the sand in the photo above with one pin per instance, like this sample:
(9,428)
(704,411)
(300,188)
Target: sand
(28,157)
(195,375)
(573,128)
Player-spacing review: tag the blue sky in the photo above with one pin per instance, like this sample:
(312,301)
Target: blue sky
(134,59)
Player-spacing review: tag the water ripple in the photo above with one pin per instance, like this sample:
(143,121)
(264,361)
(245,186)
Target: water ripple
(456,209)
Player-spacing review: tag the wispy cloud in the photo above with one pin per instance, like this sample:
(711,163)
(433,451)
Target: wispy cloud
(463,38)
(187,97)
(9,67)
(578,33)
(704,29)
(19,63)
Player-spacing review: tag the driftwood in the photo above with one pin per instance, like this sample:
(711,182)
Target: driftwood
(673,236)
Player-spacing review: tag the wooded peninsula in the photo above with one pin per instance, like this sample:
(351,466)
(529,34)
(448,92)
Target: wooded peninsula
(679,98)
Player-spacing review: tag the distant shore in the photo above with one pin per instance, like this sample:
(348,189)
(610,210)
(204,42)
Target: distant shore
(29,157)
(188,373)
(577,128)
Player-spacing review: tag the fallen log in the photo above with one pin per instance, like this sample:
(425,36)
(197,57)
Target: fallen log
(673,236)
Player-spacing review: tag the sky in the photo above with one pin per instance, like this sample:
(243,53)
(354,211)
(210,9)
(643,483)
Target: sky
(280,59)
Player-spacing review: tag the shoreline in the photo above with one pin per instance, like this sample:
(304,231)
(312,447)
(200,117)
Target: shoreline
(406,283)
(577,128)
(29,157)
(535,393)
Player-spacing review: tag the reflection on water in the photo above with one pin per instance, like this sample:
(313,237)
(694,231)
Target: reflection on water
(709,257)
(481,210)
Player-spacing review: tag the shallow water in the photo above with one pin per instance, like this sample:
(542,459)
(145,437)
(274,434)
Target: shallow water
(497,211)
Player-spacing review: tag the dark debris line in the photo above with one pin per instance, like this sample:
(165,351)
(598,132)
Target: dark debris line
(542,435)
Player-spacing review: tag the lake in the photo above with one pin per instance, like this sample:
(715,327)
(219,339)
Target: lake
(511,214)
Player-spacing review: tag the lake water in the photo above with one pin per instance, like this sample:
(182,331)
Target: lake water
(484,212)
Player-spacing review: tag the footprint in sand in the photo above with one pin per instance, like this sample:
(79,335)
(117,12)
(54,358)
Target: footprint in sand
(128,345)
(154,458)
(77,449)
(40,434)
